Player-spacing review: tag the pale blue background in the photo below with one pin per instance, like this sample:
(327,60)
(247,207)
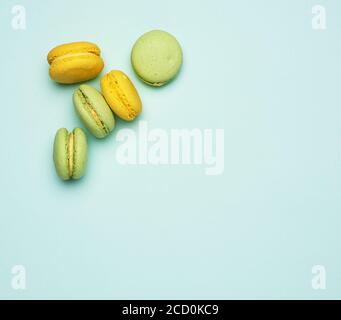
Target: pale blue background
(254,68)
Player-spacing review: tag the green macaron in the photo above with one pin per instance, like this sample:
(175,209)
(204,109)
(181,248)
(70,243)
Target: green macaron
(93,111)
(70,153)
(156,57)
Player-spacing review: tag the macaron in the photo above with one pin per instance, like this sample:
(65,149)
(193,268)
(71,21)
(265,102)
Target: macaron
(70,153)
(121,95)
(75,62)
(156,57)
(93,111)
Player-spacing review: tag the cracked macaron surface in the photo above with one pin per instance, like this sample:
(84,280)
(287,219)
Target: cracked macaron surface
(75,62)
(93,111)
(70,153)
(121,95)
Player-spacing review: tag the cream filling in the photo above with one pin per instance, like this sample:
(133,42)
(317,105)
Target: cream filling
(71,153)
(92,111)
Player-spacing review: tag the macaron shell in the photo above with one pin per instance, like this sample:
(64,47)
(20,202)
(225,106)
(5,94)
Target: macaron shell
(60,154)
(86,95)
(77,67)
(156,57)
(73,47)
(80,153)
(121,95)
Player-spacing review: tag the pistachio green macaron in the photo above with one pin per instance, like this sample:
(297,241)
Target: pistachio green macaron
(70,153)
(156,57)
(94,111)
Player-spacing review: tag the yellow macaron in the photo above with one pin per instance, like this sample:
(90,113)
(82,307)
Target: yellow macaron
(121,95)
(75,62)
